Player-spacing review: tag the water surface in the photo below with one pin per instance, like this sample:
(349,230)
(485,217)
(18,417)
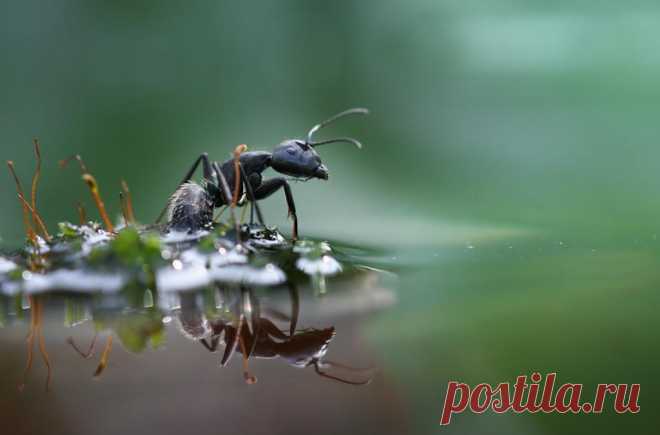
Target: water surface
(412,318)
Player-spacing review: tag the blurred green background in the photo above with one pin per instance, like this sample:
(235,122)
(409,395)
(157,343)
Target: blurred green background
(509,161)
(523,114)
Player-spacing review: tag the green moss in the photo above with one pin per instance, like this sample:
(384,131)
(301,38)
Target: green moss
(68,231)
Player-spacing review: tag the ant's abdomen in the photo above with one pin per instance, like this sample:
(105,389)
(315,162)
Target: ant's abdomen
(190,208)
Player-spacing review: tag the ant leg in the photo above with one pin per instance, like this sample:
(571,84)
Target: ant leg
(270,329)
(252,198)
(230,342)
(295,308)
(256,325)
(213,346)
(208,174)
(318,368)
(269,187)
(254,180)
(227,197)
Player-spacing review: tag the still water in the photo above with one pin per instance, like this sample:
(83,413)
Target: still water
(369,351)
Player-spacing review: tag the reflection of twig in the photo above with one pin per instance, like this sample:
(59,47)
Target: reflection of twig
(90,351)
(30,345)
(249,378)
(103,362)
(42,344)
(36,322)
(105,355)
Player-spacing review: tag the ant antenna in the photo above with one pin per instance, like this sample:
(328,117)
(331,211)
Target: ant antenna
(317,127)
(317,368)
(338,139)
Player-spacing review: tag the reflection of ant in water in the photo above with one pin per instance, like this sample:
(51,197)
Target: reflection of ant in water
(261,338)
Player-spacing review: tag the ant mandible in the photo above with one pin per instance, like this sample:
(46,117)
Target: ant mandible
(191,206)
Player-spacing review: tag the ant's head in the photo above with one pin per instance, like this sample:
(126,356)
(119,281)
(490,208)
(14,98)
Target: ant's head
(298,158)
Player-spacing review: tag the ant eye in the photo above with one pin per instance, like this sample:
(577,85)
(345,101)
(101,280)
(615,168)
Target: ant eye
(303,145)
(291,150)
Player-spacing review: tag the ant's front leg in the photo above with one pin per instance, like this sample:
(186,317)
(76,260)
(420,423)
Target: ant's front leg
(295,307)
(250,183)
(268,187)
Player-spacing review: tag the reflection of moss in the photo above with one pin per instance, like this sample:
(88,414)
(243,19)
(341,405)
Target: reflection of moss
(131,249)
(4,311)
(68,231)
(134,292)
(18,306)
(134,329)
(208,298)
(74,312)
(128,248)
(207,244)
(15,274)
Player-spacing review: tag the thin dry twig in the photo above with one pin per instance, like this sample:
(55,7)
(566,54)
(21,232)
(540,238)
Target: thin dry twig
(36,217)
(37,172)
(96,195)
(237,172)
(93,186)
(83,169)
(29,231)
(122,207)
(82,214)
(129,202)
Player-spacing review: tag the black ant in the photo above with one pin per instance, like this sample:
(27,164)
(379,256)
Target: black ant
(299,348)
(191,206)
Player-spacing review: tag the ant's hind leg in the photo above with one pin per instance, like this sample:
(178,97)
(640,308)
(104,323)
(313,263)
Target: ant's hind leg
(268,187)
(208,174)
